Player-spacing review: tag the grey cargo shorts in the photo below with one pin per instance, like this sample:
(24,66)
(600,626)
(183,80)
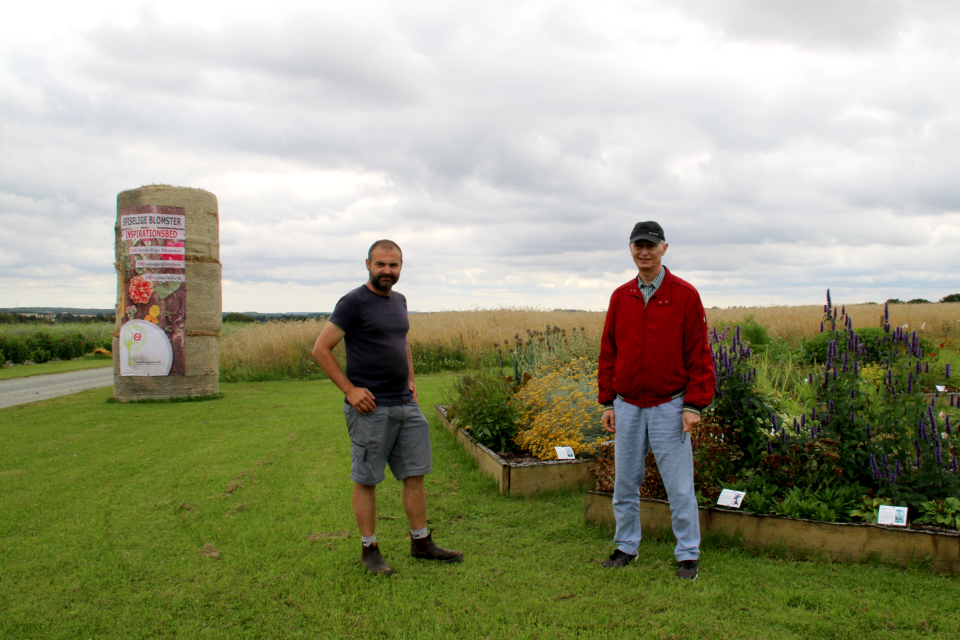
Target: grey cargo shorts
(398,436)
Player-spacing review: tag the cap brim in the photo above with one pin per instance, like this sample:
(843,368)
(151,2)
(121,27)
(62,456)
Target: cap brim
(647,237)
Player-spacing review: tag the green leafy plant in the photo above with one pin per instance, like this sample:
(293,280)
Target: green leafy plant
(482,403)
(868,510)
(945,513)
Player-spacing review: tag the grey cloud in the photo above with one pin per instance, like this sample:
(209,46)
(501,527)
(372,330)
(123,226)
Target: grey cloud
(855,24)
(509,142)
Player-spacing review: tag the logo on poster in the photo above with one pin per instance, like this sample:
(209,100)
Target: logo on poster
(145,350)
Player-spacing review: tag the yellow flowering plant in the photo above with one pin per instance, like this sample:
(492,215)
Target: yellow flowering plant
(558,408)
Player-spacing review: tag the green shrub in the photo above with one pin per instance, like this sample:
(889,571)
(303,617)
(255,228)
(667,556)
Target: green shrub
(16,348)
(754,333)
(433,357)
(482,404)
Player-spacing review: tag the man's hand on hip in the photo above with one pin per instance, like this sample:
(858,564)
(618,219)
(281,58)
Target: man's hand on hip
(689,420)
(361,399)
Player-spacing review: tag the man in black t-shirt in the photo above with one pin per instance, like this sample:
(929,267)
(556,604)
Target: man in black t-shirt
(385,423)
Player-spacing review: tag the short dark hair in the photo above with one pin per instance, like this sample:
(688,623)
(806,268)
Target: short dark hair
(386,245)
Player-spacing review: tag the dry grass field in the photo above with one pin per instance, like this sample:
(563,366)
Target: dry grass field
(935,320)
(273,350)
(479,330)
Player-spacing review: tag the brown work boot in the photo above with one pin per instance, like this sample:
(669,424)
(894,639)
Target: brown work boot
(425,549)
(373,561)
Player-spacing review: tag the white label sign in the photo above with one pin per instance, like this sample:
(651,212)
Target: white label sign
(941,388)
(897,516)
(731,498)
(565,453)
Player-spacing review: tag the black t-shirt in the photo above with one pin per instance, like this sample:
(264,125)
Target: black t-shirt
(376,341)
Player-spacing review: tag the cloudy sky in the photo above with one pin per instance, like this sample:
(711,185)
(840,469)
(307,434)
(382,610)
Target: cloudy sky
(509,147)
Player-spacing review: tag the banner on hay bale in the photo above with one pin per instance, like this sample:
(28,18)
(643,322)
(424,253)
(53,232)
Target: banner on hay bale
(152,265)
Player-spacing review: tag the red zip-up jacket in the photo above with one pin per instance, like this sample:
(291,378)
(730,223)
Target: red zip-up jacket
(650,354)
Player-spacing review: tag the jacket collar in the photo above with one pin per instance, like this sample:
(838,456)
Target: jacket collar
(662,296)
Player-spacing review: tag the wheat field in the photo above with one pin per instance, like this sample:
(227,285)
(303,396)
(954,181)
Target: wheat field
(792,323)
(272,350)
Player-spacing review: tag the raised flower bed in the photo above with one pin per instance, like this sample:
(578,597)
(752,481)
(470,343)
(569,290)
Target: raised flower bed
(843,542)
(525,476)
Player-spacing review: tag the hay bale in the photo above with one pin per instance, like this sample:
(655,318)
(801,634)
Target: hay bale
(195,368)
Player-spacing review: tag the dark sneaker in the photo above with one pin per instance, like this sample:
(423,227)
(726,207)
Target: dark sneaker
(373,561)
(688,570)
(425,549)
(618,559)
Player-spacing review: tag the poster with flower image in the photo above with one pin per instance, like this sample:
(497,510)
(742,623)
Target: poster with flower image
(151,254)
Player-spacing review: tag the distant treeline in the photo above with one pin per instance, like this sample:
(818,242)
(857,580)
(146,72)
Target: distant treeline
(54,318)
(233,316)
(40,317)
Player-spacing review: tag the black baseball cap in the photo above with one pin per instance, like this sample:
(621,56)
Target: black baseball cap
(649,231)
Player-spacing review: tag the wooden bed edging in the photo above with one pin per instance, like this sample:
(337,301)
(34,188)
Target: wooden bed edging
(839,541)
(524,479)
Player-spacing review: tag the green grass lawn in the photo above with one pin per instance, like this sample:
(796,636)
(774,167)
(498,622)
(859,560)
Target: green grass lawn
(106,510)
(88,361)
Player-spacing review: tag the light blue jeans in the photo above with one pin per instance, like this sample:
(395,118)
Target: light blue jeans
(659,429)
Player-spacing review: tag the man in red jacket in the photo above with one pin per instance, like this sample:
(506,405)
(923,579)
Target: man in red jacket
(656,375)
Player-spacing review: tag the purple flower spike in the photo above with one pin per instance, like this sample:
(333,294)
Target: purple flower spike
(926,367)
(769,448)
(916,445)
(773,420)
(821,326)
(853,417)
(886,312)
(813,413)
(803,420)
(948,372)
(868,430)
(796,426)
(873,466)
(831,406)
(813,432)
(829,304)
(921,429)
(946,424)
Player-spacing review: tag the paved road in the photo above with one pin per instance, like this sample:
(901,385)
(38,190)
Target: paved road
(22,390)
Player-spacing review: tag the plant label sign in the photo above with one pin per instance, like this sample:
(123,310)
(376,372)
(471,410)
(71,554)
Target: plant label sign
(152,262)
(896,516)
(731,498)
(565,453)
(940,387)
